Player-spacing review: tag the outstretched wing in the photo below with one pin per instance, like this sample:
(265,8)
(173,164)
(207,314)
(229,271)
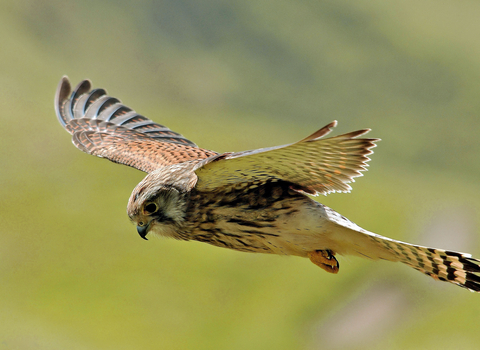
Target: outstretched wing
(313,165)
(102,126)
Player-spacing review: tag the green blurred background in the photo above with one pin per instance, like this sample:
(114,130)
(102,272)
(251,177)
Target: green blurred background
(236,75)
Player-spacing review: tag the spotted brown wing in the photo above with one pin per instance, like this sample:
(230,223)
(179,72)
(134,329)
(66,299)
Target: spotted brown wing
(313,165)
(102,126)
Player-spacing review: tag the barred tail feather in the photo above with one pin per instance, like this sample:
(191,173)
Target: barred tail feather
(443,265)
(347,238)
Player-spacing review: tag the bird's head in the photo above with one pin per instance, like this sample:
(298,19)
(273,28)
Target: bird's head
(158,207)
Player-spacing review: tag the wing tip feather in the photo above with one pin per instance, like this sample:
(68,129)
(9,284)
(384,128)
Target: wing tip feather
(61,95)
(320,133)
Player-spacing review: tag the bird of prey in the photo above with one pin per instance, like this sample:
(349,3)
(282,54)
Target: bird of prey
(252,201)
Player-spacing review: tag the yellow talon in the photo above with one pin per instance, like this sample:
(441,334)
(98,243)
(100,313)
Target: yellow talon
(325,259)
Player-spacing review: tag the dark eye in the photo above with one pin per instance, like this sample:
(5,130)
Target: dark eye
(150,208)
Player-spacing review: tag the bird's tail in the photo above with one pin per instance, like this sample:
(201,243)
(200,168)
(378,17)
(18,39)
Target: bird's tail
(347,238)
(444,265)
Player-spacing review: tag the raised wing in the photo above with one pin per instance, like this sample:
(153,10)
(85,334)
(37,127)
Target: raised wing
(312,165)
(102,126)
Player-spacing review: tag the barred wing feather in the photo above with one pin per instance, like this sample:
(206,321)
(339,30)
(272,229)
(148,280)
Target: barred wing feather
(102,126)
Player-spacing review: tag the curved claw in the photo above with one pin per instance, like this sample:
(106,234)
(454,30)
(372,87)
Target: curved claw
(325,259)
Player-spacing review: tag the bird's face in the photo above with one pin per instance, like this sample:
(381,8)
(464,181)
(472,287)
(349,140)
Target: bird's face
(156,209)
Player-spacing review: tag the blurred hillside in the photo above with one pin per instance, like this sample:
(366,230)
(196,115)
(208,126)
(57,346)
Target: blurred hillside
(233,76)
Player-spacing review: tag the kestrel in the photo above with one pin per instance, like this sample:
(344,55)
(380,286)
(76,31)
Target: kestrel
(252,201)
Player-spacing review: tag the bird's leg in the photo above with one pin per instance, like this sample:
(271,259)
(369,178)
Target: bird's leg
(325,259)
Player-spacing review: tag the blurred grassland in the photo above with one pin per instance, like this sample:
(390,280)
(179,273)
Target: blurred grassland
(234,76)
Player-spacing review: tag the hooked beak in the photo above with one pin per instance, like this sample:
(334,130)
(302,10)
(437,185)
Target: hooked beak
(143,230)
